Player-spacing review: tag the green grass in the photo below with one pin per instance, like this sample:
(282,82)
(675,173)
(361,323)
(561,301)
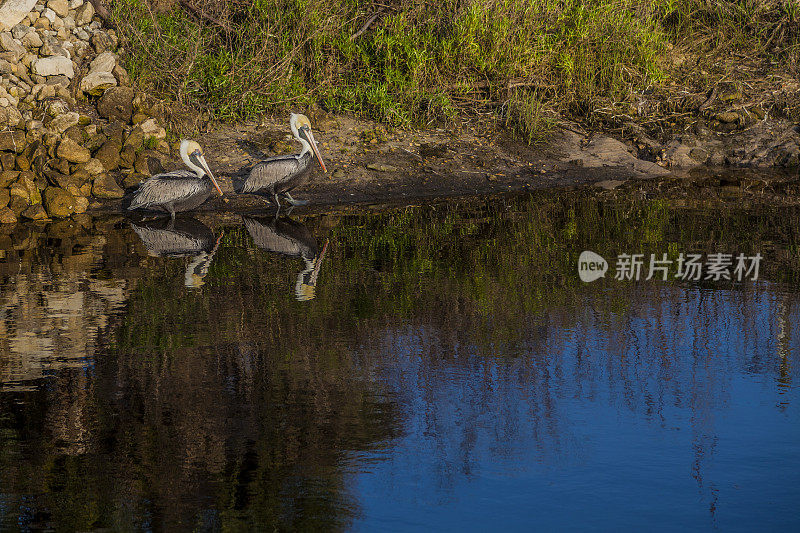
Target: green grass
(422,62)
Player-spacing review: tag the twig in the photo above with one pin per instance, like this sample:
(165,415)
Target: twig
(710,100)
(367,24)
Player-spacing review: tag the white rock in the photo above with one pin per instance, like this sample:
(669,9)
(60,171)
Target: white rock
(61,7)
(53,66)
(151,129)
(32,40)
(50,15)
(75,4)
(84,14)
(69,23)
(105,62)
(96,82)
(4,102)
(13,11)
(82,34)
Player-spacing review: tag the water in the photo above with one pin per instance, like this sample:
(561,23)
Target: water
(438,367)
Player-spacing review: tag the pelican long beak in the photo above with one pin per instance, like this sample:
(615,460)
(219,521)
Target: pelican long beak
(210,175)
(313,144)
(318,265)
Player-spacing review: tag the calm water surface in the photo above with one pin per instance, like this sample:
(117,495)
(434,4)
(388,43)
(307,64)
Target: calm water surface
(438,367)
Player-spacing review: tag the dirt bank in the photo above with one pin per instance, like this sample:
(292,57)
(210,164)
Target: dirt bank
(369,164)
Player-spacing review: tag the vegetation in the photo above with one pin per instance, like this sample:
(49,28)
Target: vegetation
(407,62)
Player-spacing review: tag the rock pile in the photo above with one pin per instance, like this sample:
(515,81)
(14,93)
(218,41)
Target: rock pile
(72,129)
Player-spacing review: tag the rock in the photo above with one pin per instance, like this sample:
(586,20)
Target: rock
(608,184)
(95,83)
(102,42)
(50,15)
(94,167)
(12,140)
(116,103)
(105,62)
(23,163)
(5,197)
(676,155)
(7,216)
(59,179)
(10,116)
(133,179)
(699,155)
(378,167)
(80,176)
(17,205)
(728,117)
(604,151)
(8,160)
(8,44)
(63,122)
(28,180)
(19,190)
(95,142)
(19,31)
(75,133)
(127,156)
(122,75)
(81,204)
(32,40)
(135,138)
(60,7)
(13,11)
(52,47)
(58,203)
(84,14)
(35,212)
(73,152)
(151,128)
(104,186)
(109,155)
(115,131)
(55,66)
(7,177)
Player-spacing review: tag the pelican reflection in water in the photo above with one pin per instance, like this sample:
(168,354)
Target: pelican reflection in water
(185,237)
(291,238)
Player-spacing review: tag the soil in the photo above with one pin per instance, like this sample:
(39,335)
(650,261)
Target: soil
(368,164)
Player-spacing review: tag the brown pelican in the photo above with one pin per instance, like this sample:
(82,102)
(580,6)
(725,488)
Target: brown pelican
(288,237)
(182,238)
(179,190)
(277,176)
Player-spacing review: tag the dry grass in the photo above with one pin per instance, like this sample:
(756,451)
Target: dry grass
(409,62)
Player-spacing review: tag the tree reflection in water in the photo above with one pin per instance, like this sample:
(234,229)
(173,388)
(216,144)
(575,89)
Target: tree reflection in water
(443,344)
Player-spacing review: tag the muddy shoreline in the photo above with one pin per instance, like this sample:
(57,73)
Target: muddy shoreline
(370,165)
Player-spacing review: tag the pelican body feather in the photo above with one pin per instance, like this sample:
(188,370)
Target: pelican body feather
(171,192)
(278,175)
